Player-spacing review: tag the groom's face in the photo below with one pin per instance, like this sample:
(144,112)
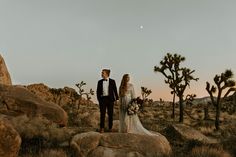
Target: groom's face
(104,75)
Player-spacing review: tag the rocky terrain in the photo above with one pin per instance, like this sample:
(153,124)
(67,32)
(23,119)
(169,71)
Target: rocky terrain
(5,77)
(39,121)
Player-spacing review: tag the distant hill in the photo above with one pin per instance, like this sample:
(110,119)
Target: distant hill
(203,100)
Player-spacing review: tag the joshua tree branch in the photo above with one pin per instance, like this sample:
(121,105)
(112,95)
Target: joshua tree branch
(210,93)
(230,90)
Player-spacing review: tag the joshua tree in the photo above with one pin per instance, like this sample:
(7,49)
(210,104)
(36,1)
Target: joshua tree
(177,77)
(145,93)
(82,92)
(189,99)
(223,81)
(206,110)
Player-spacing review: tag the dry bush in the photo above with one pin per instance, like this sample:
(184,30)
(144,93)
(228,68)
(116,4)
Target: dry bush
(207,130)
(52,153)
(39,127)
(38,134)
(48,153)
(73,114)
(31,127)
(229,144)
(208,152)
(229,130)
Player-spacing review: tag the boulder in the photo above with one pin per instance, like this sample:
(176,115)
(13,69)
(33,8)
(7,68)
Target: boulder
(10,140)
(60,96)
(42,91)
(17,100)
(4,74)
(92,144)
(181,132)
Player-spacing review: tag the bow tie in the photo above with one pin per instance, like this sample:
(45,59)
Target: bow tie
(104,79)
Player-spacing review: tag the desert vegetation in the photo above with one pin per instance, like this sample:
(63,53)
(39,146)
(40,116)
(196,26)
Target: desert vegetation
(82,90)
(194,127)
(177,77)
(223,81)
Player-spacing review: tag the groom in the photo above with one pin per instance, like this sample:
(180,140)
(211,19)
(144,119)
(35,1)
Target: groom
(106,95)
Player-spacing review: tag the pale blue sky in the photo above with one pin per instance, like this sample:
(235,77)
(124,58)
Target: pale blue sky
(61,42)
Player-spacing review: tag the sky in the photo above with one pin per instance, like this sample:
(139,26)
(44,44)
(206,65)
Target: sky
(62,42)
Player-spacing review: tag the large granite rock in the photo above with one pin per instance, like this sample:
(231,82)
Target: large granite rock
(181,132)
(60,96)
(42,91)
(10,140)
(120,144)
(4,74)
(17,100)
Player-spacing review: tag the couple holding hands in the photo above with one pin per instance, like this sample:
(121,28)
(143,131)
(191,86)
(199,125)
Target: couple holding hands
(107,95)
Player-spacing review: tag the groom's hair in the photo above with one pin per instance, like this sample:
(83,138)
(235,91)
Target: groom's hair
(107,71)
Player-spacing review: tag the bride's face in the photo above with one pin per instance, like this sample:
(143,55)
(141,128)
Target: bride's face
(127,78)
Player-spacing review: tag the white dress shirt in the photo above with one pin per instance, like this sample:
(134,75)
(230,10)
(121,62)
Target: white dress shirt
(105,91)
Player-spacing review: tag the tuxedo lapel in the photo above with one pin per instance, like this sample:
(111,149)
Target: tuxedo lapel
(112,91)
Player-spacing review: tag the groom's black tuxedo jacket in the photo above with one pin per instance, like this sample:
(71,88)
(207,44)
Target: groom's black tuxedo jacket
(112,90)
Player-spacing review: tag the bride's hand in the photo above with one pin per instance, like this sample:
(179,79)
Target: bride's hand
(116,102)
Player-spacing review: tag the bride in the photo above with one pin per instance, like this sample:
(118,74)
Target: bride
(129,123)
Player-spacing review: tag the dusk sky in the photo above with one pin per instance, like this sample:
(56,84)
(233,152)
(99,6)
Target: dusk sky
(62,42)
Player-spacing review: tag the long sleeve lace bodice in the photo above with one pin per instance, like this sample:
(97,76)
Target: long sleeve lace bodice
(130,91)
(126,99)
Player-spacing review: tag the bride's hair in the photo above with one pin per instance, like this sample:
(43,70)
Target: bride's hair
(124,85)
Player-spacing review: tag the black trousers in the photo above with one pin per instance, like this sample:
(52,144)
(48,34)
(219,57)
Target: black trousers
(106,104)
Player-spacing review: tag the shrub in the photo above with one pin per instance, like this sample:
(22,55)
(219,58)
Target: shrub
(208,152)
(53,153)
(47,153)
(229,144)
(73,114)
(38,133)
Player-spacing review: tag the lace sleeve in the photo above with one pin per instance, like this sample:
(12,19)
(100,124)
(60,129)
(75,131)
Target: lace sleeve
(132,92)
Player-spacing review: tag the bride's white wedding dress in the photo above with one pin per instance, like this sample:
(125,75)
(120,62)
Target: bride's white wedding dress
(130,124)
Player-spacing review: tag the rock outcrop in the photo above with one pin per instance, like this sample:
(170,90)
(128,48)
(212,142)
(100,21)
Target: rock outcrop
(60,96)
(4,74)
(10,140)
(181,132)
(17,100)
(92,144)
